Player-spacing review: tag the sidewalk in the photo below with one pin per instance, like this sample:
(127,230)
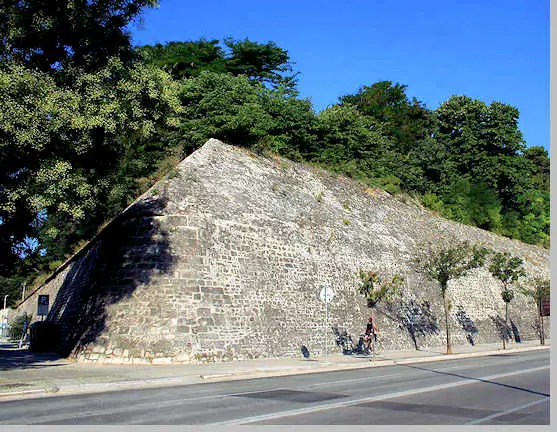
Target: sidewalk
(25,374)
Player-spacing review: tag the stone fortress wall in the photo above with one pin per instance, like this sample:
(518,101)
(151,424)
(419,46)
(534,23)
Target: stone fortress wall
(224,259)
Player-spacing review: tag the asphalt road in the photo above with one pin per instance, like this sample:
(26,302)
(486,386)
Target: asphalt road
(504,389)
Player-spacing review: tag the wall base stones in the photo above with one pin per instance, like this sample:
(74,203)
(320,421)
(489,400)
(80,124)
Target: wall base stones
(226,260)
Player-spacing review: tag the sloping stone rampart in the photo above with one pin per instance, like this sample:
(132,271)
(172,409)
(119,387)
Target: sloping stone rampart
(225,260)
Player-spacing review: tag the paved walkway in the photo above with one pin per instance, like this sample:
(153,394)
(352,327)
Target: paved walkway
(25,374)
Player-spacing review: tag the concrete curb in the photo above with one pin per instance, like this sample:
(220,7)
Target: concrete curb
(379,362)
(54,390)
(471,354)
(65,390)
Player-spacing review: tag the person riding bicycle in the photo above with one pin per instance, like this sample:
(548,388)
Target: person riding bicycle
(371,333)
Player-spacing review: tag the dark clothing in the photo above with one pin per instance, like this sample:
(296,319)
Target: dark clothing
(371,330)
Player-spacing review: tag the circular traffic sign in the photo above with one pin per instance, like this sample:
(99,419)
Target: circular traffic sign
(326,294)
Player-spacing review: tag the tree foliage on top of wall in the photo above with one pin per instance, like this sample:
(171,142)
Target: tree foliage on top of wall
(88,122)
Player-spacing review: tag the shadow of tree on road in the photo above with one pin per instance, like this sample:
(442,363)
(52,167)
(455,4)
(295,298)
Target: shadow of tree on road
(476,379)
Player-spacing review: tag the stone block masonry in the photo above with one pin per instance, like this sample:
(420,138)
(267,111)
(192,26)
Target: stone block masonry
(225,260)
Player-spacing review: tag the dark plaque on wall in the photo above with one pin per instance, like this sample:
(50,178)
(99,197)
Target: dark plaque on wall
(43,305)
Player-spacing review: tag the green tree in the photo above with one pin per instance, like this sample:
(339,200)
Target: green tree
(222,106)
(245,113)
(534,224)
(485,144)
(538,289)
(405,121)
(267,64)
(73,103)
(293,130)
(61,145)
(484,147)
(473,204)
(448,262)
(429,169)
(186,59)
(538,159)
(351,143)
(413,161)
(506,269)
(59,35)
(376,289)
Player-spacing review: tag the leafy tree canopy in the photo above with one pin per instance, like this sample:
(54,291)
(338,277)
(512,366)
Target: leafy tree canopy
(484,142)
(53,35)
(448,262)
(265,63)
(406,121)
(88,123)
(186,59)
(538,159)
(242,112)
(506,268)
(60,145)
(376,288)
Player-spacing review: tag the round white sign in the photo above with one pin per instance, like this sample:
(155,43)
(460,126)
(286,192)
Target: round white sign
(326,294)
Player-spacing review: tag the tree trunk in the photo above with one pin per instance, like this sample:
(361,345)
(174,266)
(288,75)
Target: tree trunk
(540,317)
(447,332)
(506,324)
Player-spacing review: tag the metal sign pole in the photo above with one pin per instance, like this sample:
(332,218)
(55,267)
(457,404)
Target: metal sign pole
(373,337)
(326,326)
(326,295)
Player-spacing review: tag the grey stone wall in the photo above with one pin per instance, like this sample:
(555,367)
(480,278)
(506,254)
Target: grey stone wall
(225,259)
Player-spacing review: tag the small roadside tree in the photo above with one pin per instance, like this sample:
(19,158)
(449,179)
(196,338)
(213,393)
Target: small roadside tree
(375,288)
(446,263)
(538,289)
(506,269)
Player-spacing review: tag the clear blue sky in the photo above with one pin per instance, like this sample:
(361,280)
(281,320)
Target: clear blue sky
(486,49)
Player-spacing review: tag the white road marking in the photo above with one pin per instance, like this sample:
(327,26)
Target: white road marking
(440,369)
(352,402)
(177,402)
(375,378)
(502,413)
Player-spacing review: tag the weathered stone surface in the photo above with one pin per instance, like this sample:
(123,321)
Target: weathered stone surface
(226,260)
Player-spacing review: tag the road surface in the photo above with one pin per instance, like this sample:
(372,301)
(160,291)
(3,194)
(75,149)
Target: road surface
(504,389)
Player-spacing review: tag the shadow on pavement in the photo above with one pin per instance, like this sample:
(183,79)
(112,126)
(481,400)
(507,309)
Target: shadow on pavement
(11,357)
(477,379)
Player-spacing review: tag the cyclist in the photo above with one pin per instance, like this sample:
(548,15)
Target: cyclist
(371,333)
